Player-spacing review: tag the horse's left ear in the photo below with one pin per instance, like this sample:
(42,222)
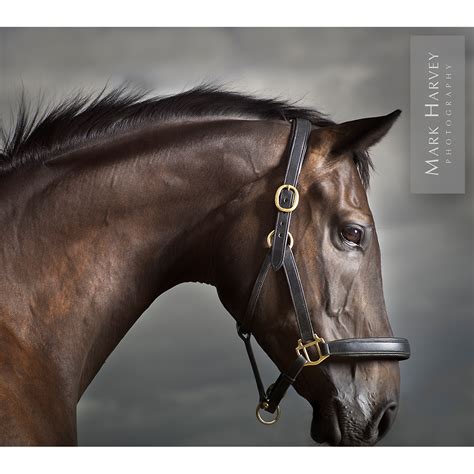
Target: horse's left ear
(361,134)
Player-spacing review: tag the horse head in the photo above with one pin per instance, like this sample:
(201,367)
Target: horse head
(336,250)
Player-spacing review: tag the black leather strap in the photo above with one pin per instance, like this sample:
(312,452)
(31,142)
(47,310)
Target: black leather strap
(277,391)
(373,347)
(297,296)
(300,132)
(253,363)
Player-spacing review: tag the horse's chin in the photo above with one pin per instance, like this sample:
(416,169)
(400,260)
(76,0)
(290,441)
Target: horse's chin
(335,426)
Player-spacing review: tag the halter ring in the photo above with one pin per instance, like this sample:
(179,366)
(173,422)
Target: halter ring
(270,239)
(296,198)
(262,406)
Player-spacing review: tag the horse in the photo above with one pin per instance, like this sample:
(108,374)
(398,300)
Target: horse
(109,200)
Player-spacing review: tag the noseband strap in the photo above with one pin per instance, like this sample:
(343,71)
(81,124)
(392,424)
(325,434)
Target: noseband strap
(396,348)
(311,350)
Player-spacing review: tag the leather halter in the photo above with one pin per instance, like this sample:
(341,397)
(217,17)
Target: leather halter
(281,255)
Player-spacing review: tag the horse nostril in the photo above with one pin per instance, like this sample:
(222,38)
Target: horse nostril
(387,419)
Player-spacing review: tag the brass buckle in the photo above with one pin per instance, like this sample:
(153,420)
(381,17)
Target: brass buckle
(270,239)
(296,198)
(263,406)
(304,348)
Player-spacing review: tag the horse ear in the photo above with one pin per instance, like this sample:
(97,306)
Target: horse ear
(359,135)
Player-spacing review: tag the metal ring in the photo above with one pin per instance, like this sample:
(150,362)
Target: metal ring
(296,198)
(271,234)
(265,422)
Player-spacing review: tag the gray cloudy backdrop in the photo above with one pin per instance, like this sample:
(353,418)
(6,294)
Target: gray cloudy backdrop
(426,241)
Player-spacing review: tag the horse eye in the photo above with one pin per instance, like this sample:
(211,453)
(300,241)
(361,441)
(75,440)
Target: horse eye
(352,234)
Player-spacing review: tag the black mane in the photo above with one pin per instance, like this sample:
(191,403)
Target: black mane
(36,134)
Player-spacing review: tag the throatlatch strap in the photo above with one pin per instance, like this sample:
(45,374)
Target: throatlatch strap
(299,141)
(253,363)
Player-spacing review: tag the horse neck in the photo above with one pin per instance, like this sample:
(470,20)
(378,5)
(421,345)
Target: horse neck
(97,234)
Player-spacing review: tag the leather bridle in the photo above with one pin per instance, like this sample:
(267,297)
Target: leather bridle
(280,256)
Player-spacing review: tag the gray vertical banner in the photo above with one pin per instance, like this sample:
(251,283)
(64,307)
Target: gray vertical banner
(437,114)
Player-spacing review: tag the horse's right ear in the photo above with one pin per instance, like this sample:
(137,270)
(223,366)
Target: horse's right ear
(357,135)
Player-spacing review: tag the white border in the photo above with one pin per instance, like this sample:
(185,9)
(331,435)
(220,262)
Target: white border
(234,460)
(236,13)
